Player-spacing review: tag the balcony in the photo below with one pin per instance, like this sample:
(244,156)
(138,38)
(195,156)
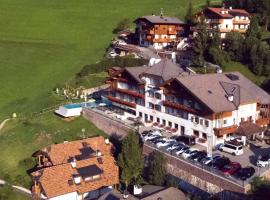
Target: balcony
(126,103)
(239,21)
(163,40)
(263,121)
(130,92)
(179,106)
(225,130)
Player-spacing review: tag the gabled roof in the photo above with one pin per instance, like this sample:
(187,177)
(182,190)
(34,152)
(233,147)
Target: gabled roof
(228,13)
(213,90)
(165,69)
(135,72)
(161,19)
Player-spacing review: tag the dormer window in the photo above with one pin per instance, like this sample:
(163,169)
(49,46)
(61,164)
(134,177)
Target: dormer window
(90,173)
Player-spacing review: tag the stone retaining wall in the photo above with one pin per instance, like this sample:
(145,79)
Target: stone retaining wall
(198,177)
(109,126)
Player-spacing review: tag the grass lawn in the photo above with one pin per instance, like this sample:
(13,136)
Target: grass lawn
(235,66)
(7,193)
(43,44)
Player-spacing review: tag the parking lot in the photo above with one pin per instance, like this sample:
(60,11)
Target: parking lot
(249,158)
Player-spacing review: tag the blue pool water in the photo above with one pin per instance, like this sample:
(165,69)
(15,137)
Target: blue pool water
(87,104)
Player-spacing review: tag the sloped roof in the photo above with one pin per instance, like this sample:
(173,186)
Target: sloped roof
(58,180)
(135,72)
(213,90)
(168,193)
(161,19)
(248,129)
(228,13)
(166,69)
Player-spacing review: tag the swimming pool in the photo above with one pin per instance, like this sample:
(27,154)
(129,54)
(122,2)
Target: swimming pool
(71,106)
(87,104)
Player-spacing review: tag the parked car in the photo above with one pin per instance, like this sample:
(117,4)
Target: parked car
(264,161)
(144,133)
(198,156)
(221,162)
(231,168)
(208,160)
(232,148)
(189,152)
(150,136)
(187,139)
(245,173)
(180,150)
(164,143)
(174,146)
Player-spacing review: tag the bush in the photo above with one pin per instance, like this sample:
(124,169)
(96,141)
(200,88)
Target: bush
(126,61)
(26,163)
(124,24)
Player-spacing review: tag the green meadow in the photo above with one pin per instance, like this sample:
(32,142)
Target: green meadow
(43,44)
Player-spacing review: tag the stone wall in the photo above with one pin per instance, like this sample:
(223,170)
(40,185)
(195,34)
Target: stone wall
(109,126)
(198,177)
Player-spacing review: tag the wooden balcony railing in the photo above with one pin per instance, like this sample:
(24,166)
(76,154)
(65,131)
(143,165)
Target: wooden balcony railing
(168,40)
(263,121)
(130,92)
(225,130)
(239,21)
(178,106)
(126,103)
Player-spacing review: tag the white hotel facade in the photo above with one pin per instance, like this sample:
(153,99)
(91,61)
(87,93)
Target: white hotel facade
(209,106)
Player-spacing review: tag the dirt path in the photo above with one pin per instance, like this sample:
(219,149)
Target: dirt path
(3,123)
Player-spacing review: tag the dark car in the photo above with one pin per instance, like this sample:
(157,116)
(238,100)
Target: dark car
(201,156)
(231,168)
(187,139)
(221,162)
(245,173)
(144,133)
(198,155)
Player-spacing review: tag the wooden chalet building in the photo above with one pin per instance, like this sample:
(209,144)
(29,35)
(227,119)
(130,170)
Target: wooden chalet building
(158,31)
(210,106)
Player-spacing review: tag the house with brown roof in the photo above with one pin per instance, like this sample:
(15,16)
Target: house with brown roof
(225,20)
(158,31)
(82,169)
(208,106)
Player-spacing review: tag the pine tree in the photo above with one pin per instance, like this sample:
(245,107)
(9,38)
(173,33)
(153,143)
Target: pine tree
(157,168)
(189,18)
(130,159)
(208,3)
(200,43)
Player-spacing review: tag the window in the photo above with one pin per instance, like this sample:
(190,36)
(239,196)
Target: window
(176,126)
(170,124)
(151,105)
(224,121)
(197,120)
(145,117)
(192,118)
(196,133)
(233,120)
(204,135)
(151,118)
(164,122)
(206,123)
(157,107)
(157,95)
(151,93)
(227,26)
(182,130)
(140,114)
(158,120)
(201,121)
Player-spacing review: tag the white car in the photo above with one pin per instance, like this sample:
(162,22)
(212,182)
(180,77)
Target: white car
(180,150)
(164,143)
(174,146)
(155,132)
(150,137)
(189,152)
(264,161)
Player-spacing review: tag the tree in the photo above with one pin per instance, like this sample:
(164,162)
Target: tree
(189,18)
(260,189)
(130,160)
(157,168)
(200,43)
(208,3)
(233,45)
(122,25)
(254,29)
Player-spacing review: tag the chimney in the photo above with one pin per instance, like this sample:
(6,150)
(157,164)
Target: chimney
(73,163)
(107,141)
(98,153)
(230,98)
(77,179)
